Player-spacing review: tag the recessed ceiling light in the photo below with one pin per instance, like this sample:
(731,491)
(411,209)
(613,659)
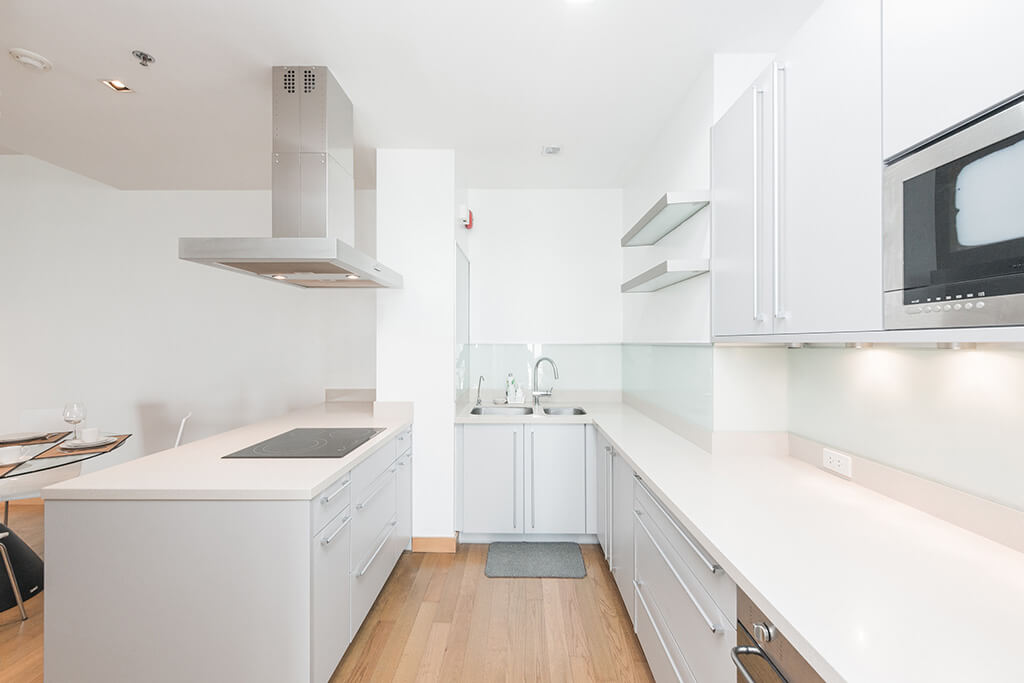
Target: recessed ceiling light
(30,59)
(550,150)
(279,277)
(116,85)
(351,276)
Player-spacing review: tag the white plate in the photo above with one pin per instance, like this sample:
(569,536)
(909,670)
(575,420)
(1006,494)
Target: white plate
(72,444)
(21,436)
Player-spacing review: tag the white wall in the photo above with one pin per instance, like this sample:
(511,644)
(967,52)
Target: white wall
(416,324)
(545,266)
(950,416)
(97,307)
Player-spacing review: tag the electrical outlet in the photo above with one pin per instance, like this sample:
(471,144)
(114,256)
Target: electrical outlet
(837,462)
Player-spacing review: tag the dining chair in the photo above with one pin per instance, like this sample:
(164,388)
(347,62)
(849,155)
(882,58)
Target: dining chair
(4,535)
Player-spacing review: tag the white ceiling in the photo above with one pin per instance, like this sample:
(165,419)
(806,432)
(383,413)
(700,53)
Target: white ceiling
(493,80)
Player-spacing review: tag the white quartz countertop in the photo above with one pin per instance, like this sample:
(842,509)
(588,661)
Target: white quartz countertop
(197,470)
(867,588)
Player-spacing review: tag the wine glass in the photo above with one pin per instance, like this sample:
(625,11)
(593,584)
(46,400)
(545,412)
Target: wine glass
(74,413)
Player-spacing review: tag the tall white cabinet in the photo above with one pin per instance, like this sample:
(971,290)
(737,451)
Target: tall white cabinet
(796,185)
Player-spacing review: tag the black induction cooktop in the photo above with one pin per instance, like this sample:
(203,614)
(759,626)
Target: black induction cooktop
(310,443)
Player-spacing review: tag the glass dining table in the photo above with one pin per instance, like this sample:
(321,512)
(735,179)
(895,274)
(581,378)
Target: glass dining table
(39,455)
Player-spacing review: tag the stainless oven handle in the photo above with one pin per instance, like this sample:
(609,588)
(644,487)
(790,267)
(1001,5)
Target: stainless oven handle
(749,650)
(778,103)
(758,118)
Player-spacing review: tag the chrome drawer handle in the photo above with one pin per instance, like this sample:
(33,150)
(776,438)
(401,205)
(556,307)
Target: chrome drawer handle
(324,500)
(366,567)
(712,566)
(337,531)
(686,589)
(757,652)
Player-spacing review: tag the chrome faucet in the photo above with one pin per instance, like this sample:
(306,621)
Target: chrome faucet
(536,393)
(478,383)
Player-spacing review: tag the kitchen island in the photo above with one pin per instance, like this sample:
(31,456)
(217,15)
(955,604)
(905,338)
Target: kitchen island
(184,565)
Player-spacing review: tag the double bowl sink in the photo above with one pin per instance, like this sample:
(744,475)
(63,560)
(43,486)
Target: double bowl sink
(524,410)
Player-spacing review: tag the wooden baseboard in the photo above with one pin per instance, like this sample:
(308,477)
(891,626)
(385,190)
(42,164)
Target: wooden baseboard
(435,544)
(26,502)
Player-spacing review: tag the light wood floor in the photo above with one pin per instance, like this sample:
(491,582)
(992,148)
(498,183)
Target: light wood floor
(440,619)
(21,642)
(437,619)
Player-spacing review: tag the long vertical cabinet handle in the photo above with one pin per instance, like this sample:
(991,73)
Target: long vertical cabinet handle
(533,479)
(515,487)
(778,126)
(758,122)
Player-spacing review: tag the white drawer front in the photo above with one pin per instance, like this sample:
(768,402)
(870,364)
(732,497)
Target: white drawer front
(330,502)
(656,647)
(683,550)
(366,473)
(370,574)
(371,513)
(331,596)
(690,618)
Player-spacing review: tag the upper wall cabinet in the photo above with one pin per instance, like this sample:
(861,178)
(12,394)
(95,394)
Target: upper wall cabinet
(796,186)
(944,62)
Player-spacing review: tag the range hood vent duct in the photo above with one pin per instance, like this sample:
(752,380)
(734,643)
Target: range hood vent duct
(312,195)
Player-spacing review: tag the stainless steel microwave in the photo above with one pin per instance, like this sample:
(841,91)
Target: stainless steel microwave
(953,227)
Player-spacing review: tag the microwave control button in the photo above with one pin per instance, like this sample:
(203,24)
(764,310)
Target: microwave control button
(968,305)
(914,310)
(957,307)
(947,307)
(980,305)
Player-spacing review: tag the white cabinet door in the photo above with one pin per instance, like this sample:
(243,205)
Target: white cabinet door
(828,229)
(944,61)
(492,479)
(403,531)
(604,462)
(555,491)
(330,606)
(622,531)
(741,147)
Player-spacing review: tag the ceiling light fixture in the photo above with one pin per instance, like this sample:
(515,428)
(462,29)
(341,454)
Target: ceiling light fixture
(279,277)
(145,59)
(116,85)
(351,276)
(550,150)
(30,59)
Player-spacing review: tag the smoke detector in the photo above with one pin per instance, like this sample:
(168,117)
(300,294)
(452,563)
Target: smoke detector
(550,150)
(30,59)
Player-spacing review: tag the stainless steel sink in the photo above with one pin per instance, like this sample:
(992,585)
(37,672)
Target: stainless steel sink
(564,411)
(501,410)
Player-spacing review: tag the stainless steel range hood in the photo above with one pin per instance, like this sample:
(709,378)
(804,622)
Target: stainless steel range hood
(312,193)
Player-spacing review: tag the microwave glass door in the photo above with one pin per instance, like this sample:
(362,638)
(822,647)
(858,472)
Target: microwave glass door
(963,225)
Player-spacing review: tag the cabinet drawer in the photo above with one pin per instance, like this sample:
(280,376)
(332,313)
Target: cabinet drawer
(371,513)
(330,502)
(365,474)
(403,442)
(331,627)
(660,653)
(371,573)
(683,551)
(690,619)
